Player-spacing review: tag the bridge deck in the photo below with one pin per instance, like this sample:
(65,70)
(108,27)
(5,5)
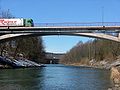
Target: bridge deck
(63,27)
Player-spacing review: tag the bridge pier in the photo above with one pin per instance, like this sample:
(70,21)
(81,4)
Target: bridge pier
(119,36)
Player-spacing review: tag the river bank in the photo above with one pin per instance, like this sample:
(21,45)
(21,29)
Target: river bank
(7,62)
(104,64)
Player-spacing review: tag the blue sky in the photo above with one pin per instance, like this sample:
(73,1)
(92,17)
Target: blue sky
(55,11)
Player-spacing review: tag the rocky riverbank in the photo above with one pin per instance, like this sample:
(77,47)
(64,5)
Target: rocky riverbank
(104,64)
(7,62)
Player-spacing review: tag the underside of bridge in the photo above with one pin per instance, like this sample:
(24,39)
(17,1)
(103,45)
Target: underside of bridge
(6,37)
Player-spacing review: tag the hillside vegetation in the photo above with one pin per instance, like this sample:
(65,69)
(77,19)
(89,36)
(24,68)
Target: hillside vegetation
(94,50)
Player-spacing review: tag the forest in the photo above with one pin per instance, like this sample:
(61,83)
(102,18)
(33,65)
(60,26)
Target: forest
(96,50)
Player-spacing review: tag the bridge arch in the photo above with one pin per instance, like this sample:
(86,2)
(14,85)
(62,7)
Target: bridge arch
(93,35)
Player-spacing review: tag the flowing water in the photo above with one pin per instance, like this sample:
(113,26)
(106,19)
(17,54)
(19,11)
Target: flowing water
(54,77)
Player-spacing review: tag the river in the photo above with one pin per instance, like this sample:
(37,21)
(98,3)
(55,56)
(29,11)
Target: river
(54,77)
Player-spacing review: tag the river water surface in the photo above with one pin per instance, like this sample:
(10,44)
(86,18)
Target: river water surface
(54,77)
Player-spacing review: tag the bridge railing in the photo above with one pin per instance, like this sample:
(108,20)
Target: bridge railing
(78,24)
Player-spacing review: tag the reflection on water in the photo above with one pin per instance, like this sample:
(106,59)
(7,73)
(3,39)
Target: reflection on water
(54,77)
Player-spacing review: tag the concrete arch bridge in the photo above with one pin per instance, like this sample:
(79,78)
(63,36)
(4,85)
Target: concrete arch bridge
(109,31)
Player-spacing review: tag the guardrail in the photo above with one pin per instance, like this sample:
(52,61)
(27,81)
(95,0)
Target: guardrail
(78,24)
